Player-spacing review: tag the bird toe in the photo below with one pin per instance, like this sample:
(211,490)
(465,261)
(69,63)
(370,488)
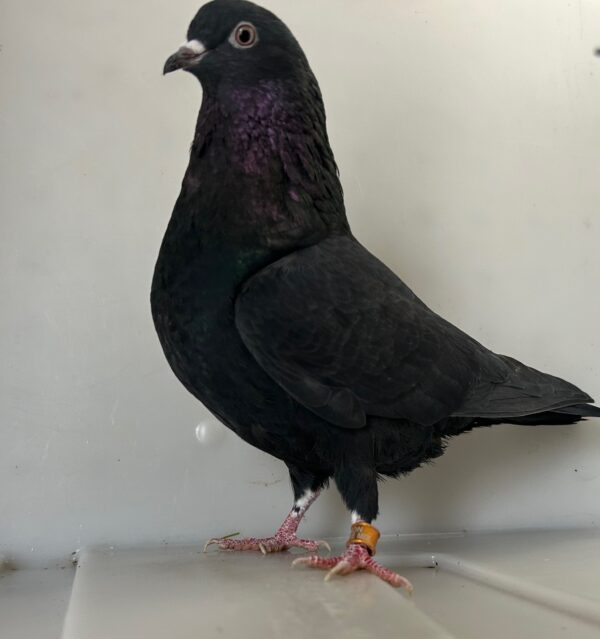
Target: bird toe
(355,557)
(342,568)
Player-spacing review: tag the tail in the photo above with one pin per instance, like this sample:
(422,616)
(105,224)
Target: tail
(523,395)
(566,415)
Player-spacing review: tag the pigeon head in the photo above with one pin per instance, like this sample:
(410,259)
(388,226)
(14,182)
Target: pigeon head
(240,43)
(261,129)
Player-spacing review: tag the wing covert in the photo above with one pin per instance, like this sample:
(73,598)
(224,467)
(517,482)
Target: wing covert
(347,338)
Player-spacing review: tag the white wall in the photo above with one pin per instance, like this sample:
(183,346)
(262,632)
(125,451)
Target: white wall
(468,137)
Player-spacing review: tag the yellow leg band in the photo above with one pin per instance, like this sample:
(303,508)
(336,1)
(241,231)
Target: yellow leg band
(364,534)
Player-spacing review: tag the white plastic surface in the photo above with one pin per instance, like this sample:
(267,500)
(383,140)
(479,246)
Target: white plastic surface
(183,593)
(33,602)
(495,586)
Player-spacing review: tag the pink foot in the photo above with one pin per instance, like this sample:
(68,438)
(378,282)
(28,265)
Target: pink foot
(356,557)
(279,542)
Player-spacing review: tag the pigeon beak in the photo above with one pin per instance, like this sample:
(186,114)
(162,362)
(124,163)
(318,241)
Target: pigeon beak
(188,54)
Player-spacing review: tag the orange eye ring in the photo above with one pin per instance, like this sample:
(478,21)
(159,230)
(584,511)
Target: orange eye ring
(245,35)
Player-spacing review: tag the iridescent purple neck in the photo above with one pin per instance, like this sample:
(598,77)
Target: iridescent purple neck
(261,125)
(263,121)
(266,146)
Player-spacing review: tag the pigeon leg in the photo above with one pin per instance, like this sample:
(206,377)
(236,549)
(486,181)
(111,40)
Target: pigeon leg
(358,488)
(285,537)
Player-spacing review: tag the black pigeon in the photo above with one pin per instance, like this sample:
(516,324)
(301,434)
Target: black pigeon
(273,315)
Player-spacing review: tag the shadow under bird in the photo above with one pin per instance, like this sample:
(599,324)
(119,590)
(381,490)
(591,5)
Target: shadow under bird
(283,325)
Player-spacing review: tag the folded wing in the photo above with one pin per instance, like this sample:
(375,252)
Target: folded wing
(345,337)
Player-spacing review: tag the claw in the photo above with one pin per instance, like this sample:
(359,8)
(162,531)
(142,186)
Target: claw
(209,543)
(324,544)
(340,568)
(262,549)
(300,561)
(218,540)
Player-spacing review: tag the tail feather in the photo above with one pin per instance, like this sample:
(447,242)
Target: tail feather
(523,391)
(559,416)
(581,410)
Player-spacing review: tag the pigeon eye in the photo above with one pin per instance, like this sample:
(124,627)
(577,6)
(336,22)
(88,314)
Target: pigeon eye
(244,36)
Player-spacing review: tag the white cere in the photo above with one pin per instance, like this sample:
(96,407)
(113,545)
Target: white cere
(194,45)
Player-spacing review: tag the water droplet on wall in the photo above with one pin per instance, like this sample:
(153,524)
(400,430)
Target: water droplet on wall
(210,432)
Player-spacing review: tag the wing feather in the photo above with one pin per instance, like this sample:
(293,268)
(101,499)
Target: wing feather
(345,337)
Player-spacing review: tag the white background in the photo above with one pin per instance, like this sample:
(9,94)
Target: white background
(468,138)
